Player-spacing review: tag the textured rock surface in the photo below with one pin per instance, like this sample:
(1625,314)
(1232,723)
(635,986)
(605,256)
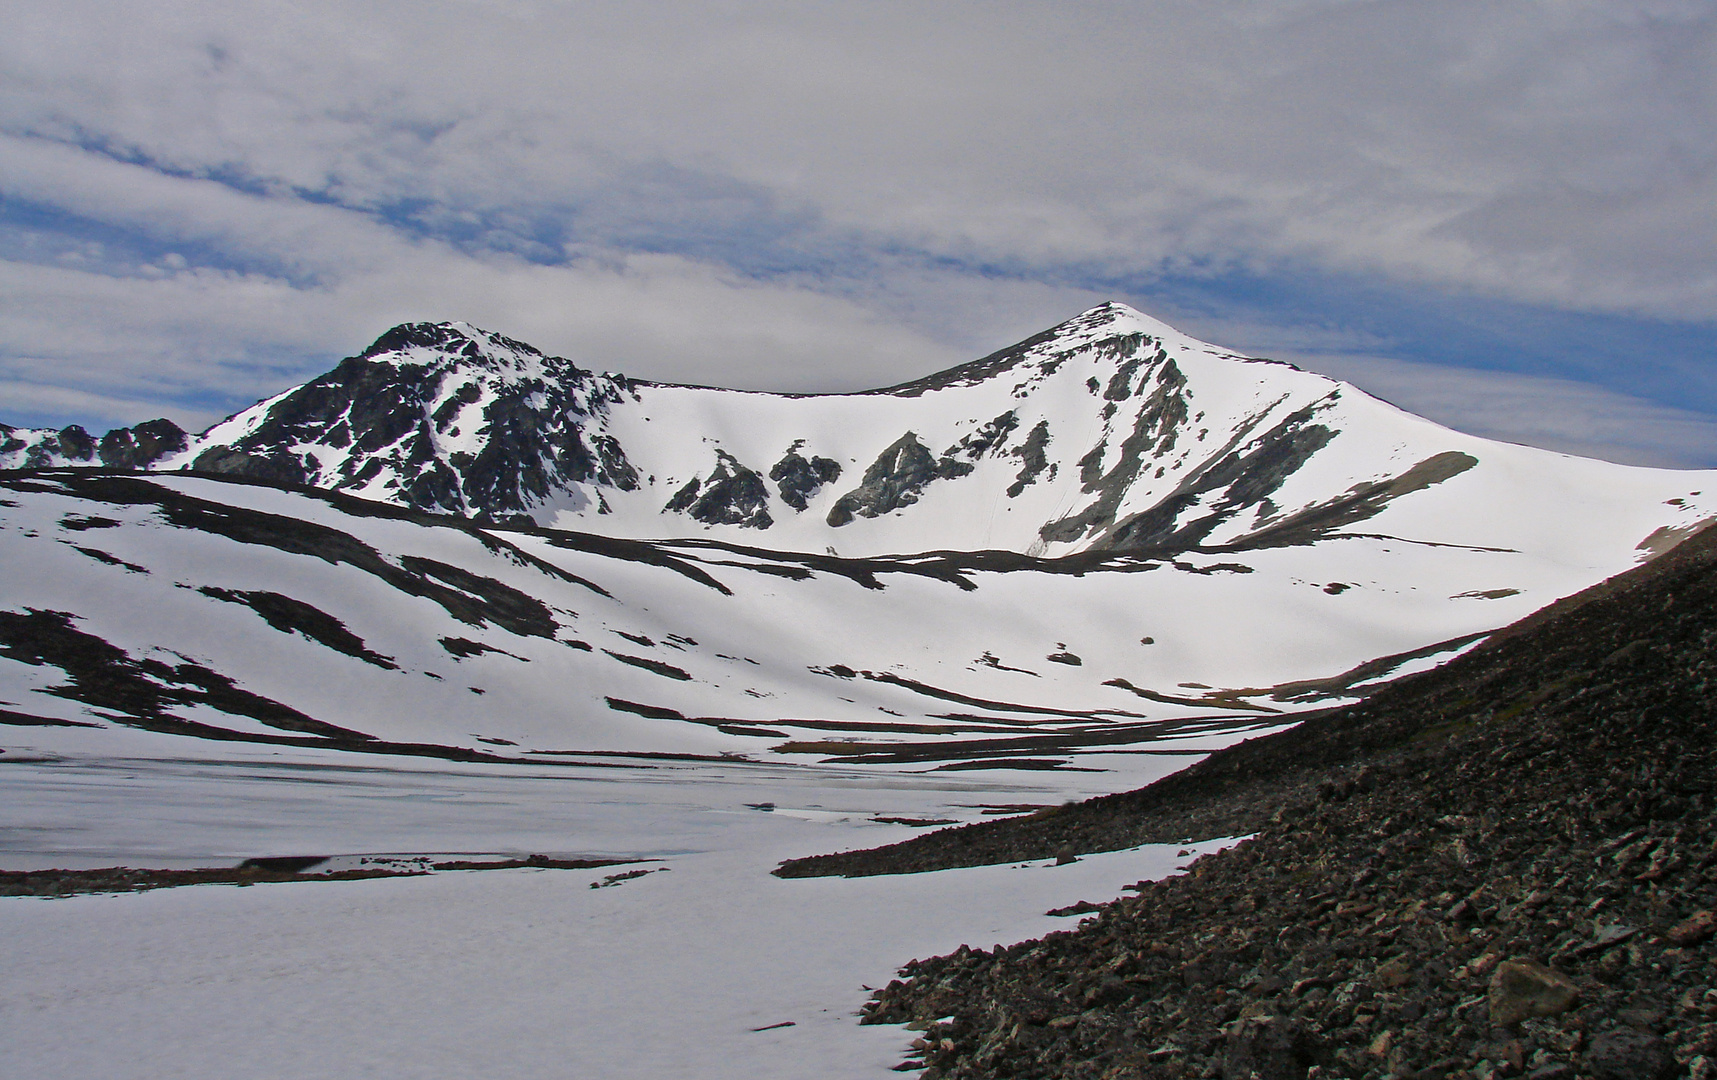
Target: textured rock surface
(799,478)
(442,417)
(894,480)
(1522,989)
(122,448)
(731,495)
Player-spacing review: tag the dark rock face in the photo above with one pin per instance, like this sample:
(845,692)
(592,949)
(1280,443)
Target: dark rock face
(1529,828)
(900,473)
(75,443)
(281,468)
(1247,470)
(122,448)
(1249,475)
(1156,429)
(1032,458)
(141,446)
(957,459)
(893,480)
(392,407)
(732,495)
(798,479)
(1120,386)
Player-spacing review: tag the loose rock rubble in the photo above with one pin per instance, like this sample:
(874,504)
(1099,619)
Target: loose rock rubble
(1507,868)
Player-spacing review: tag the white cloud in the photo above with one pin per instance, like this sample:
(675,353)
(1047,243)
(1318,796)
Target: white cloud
(1556,414)
(1552,151)
(822,196)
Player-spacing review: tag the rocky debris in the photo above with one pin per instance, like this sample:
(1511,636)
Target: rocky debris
(1503,867)
(798,478)
(732,495)
(1694,929)
(1629,1054)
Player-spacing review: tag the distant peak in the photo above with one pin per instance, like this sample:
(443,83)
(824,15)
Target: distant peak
(1116,317)
(451,339)
(418,335)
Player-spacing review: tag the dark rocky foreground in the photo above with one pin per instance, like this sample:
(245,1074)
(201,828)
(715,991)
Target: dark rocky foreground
(1503,867)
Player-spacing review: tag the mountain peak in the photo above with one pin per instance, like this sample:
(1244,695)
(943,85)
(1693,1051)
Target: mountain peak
(1110,431)
(444,343)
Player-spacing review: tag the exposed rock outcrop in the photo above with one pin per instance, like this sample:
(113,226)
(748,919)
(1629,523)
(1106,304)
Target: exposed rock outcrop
(894,480)
(731,495)
(799,479)
(121,448)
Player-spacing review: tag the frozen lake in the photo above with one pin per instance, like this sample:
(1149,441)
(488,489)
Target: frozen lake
(517,973)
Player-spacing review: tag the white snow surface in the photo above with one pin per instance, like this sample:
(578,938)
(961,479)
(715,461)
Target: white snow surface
(636,698)
(691,648)
(515,973)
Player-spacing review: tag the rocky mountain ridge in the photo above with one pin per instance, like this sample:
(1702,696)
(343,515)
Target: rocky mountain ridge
(138,447)
(1106,536)
(1109,432)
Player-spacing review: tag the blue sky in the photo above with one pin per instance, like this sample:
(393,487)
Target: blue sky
(1501,216)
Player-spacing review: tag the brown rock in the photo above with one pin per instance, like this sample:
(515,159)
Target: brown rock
(1692,930)
(1526,988)
(1395,973)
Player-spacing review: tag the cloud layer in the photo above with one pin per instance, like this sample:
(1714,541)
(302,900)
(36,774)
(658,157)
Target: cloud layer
(202,203)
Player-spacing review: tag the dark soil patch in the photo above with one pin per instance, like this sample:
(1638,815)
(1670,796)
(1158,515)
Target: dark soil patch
(654,667)
(251,872)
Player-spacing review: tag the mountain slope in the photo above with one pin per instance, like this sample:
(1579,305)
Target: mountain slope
(226,610)
(1107,536)
(1110,432)
(1546,798)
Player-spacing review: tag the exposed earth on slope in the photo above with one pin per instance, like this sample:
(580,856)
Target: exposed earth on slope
(114,879)
(1504,866)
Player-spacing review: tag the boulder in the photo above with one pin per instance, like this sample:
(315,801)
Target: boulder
(1520,989)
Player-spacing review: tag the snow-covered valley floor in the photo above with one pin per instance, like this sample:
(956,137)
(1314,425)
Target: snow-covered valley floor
(502,973)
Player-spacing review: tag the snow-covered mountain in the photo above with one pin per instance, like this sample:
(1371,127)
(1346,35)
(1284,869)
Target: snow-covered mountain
(1109,536)
(1110,432)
